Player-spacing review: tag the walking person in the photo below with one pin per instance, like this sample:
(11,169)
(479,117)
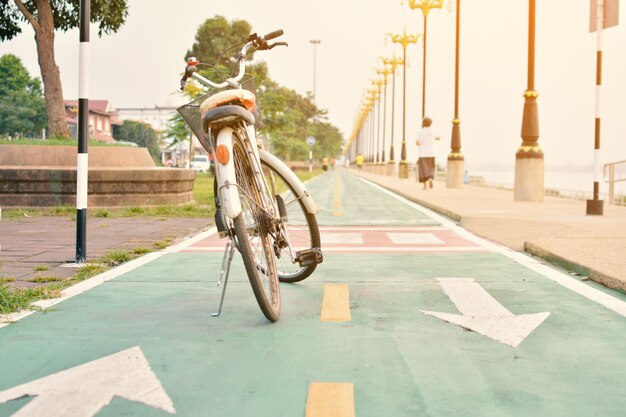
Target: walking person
(426,138)
(359,161)
(325,163)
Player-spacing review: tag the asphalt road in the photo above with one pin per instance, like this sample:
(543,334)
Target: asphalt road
(409,315)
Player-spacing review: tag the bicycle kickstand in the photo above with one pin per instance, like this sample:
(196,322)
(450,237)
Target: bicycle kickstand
(228,257)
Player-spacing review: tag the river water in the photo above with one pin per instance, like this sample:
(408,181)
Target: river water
(563,180)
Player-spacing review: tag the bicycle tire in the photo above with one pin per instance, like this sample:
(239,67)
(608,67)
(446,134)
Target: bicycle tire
(254,242)
(303,229)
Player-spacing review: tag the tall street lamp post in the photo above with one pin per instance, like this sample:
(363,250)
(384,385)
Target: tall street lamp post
(425,6)
(372,115)
(404,40)
(392,62)
(380,146)
(361,128)
(315,42)
(384,72)
(455,171)
(361,133)
(368,130)
(529,164)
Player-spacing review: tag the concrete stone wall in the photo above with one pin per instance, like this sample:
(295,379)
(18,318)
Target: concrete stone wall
(65,156)
(128,178)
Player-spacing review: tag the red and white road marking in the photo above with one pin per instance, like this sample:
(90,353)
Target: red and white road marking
(359,239)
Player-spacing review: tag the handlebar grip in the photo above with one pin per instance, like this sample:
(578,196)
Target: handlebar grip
(273,34)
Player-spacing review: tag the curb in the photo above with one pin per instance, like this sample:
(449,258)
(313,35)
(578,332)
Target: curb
(567,264)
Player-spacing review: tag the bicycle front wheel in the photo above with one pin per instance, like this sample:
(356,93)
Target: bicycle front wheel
(300,228)
(254,240)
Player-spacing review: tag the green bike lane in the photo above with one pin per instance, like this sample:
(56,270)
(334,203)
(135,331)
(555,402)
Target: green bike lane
(146,341)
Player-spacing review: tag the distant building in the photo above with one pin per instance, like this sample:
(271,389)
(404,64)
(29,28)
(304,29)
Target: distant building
(157,117)
(102,117)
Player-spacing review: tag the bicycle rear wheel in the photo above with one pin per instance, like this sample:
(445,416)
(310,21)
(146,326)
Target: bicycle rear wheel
(301,228)
(254,240)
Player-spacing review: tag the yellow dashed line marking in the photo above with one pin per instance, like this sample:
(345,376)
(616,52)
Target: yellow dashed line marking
(336,303)
(337,211)
(330,399)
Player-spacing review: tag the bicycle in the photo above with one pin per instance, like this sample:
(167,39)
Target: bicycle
(254,190)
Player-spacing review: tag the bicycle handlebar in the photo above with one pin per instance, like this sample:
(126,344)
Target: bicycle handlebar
(273,35)
(253,41)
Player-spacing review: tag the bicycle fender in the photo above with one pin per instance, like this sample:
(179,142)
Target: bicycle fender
(226,178)
(292,179)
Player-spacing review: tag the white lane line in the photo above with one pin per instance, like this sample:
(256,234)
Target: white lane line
(415,238)
(93,282)
(381,229)
(559,277)
(366,249)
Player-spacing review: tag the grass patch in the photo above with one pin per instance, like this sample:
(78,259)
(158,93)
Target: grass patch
(44,278)
(306,175)
(203,189)
(16,299)
(162,244)
(66,211)
(102,213)
(134,211)
(141,250)
(166,211)
(116,257)
(40,268)
(87,271)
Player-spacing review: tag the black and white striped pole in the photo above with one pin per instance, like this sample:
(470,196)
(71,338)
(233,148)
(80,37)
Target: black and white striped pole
(596,206)
(82,164)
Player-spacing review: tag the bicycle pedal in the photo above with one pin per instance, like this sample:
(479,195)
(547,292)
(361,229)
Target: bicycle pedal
(308,257)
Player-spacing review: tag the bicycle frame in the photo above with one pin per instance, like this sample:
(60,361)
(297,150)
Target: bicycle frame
(252,214)
(225,173)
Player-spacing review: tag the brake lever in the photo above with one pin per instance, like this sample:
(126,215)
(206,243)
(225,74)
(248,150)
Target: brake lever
(277,44)
(189,70)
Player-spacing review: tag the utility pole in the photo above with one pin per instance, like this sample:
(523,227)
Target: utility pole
(315,42)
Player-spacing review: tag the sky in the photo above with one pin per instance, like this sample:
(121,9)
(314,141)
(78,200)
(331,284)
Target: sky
(141,65)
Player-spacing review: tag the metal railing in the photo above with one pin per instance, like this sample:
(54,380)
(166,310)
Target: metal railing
(615,172)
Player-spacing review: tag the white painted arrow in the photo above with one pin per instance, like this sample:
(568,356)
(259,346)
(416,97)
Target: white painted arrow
(83,390)
(482,314)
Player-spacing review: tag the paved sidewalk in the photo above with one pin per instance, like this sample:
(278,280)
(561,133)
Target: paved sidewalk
(556,229)
(47,243)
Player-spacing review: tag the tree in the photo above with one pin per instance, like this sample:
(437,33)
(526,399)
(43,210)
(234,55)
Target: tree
(328,139)
(287,117)
(177,130)
(46,16)
(22,107)
(214,38)
(140,133)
